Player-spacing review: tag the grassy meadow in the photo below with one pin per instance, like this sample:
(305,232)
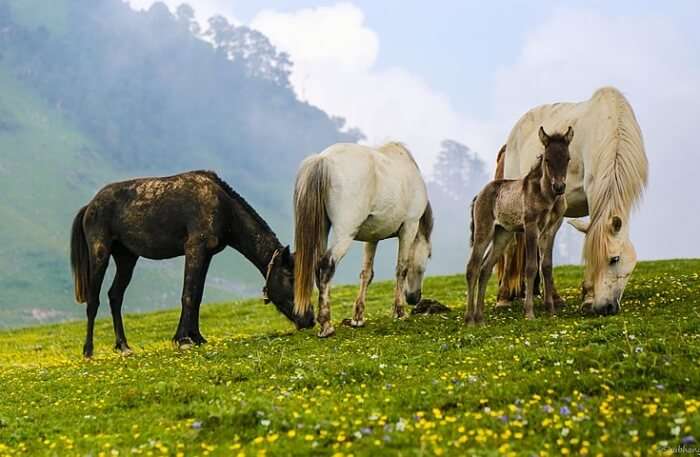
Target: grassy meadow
(569,385)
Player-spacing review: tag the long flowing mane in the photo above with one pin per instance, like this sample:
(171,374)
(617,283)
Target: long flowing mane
(621,171)
(236,196)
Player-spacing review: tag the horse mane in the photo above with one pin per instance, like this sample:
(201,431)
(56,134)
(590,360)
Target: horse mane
(426,222)
(236,197)
(500,163)
(621,172)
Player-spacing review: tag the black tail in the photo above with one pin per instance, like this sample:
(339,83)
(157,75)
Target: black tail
(471,223)
(80,258)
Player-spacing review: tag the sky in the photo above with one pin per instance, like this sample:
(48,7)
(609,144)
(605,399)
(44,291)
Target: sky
(467,70)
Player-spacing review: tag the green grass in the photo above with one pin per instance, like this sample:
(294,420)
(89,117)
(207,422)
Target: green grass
(622,385)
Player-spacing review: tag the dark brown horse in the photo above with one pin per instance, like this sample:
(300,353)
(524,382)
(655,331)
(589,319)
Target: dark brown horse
(534,205)
(195,214)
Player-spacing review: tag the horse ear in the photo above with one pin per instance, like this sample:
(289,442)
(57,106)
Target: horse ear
(616,224)
(580,225)
(287,256)
(569,135)
(544,138)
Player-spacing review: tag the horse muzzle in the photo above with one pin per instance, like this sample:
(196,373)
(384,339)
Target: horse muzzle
(413,298)
(559,188)
(305,321)
(609,309)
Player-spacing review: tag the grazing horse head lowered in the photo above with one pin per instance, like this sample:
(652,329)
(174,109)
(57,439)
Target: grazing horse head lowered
(610,260)
(421,251)
(279,288)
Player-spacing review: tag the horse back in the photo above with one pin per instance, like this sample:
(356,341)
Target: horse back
(154,217)
(373,191)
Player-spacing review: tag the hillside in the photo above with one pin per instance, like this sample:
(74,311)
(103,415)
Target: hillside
(92,92)
(622,385)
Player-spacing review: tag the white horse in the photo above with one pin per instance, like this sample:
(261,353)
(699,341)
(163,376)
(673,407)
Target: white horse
(606,177)
(368,195)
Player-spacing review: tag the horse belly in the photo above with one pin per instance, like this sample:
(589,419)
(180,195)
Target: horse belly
(378,228)
(509,209)
(576,203)
(510,222)
(154,244)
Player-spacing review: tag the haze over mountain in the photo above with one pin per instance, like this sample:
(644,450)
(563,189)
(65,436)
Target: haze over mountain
(92,91)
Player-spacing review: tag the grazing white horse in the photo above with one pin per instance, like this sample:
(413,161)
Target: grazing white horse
(364,194)
(606,177)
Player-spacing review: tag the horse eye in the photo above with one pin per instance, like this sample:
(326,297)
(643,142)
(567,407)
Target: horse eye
(614,260)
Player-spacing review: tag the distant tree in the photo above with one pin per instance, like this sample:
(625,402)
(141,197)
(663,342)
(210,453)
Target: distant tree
(355,134)
(185,16)
(261,59)
(459,171)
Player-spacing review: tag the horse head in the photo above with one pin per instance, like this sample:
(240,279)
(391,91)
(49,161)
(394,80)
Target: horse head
(279,288)
(556,158)
(610,259)
(420,252)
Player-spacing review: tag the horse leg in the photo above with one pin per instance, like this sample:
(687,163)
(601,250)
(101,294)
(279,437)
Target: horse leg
(195,260)
(366,276)
(531,270)
(482,236)
(508,264)
(545,260)
(324,274)
(196,335)
(407,234)
(561,209)
(501,238)
(551,297)
(99,259)
(125,262)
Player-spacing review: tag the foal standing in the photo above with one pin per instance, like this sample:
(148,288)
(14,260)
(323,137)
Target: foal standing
(534,204)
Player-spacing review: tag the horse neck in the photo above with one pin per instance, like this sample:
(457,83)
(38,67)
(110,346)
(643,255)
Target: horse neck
(251,237)
(536,183)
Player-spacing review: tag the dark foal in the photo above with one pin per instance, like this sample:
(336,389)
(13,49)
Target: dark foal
(534,205)
(195,214)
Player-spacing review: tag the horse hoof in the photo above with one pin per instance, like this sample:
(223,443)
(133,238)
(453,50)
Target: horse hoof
(353,323)
(123,350)
(399,314)
(325,332)
(587,308)
(185,343)
(199,340)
